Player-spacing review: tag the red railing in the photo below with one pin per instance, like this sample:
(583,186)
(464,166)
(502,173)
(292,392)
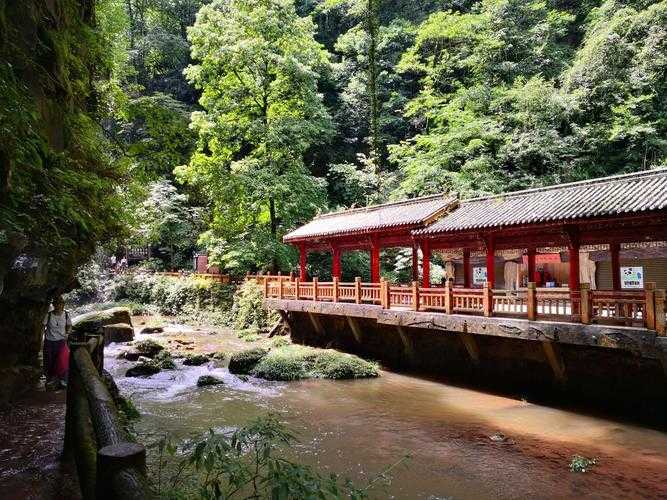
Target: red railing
(641,307)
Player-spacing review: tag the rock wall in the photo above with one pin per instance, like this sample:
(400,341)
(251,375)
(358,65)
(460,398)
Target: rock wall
(56,181)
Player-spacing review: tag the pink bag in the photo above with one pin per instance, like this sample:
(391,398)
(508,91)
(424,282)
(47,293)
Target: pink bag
(62,365)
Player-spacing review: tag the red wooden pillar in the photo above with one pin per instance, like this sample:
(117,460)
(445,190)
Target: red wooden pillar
(375,262)
(531,264)
(491,261)
(415,263)
(303,256)
(615,250)
(573,282)
(335,260)
(466,268)
(426,263)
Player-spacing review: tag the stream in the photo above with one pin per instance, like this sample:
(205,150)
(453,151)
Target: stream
(462,443)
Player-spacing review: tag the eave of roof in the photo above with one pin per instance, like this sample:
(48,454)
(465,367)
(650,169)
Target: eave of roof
(615,195)
(401,215)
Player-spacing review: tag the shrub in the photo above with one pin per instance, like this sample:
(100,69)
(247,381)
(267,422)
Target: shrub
(249,311)
(243,362)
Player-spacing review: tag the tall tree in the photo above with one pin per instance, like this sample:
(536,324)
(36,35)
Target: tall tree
(258,66)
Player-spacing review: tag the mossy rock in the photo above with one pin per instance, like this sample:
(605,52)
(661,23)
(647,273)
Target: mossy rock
(95,321)
(206,380)
(152,329)
(338,366)
(148,348)
(120,332)
(195,360)
(243,362)
(219,355)
(295,362)
(164,360)
(143,370)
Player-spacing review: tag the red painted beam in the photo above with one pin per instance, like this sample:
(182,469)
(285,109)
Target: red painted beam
(491,261)
(466,268)
(303,258)
(615,251)
(335,262)
(426,263)
(415,263)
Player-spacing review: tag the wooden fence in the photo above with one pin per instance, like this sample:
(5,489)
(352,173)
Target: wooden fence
(110,465)
(632,308)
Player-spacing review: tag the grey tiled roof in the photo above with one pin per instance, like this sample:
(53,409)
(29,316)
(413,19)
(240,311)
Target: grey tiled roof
(622,194)
(409,213)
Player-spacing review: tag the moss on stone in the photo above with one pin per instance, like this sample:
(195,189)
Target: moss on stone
(295,362)
(195,360)
(243,362)
(148,348)
(206,380)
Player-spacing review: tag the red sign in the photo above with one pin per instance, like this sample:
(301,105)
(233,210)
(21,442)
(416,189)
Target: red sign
(544,258)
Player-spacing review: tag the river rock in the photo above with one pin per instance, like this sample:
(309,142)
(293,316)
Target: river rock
(142,369)
(195,360)
(93,322)
(120,332)
(149,348)
(206,380)
(152,329)
(243,362)
(131,355)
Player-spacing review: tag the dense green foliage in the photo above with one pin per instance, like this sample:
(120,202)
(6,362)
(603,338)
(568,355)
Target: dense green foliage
(309,105)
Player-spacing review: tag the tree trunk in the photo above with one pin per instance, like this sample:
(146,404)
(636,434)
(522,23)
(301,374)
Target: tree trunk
(274,233)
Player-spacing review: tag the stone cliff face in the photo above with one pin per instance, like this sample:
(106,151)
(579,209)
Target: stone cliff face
(53,179)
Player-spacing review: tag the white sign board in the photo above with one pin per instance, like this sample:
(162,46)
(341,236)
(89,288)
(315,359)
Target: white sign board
(479,275)
(632,277)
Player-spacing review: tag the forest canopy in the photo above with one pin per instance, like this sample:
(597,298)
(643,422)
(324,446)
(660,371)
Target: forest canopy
(230,122)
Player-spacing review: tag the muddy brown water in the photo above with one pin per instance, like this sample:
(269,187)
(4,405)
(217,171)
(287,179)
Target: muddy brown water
(357,428)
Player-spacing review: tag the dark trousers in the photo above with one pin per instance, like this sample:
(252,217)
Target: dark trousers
(51,351)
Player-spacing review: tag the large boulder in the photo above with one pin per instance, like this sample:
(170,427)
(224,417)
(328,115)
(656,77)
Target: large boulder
(195,360)
(120,332)
(148,348)
(95,321)
(243,362)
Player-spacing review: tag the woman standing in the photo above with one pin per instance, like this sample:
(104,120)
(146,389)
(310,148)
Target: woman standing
(57,325)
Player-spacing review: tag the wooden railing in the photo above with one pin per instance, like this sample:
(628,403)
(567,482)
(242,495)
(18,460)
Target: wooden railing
(110,465)
(637,308)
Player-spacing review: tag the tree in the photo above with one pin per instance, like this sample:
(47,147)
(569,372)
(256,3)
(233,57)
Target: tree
(166,218)
(258,66)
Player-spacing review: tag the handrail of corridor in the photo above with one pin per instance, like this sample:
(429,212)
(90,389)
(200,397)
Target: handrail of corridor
(627,307)
(109,463)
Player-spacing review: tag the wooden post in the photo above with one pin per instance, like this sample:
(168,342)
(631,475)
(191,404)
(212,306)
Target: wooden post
(303,258)
(335,262)
(585,303)
(266,288)
(115,459)
(387,295)
(297,292)
(491,262)
(573,280)
(426,263)
(415,263)
(315,282)
(375,262)
(280,289)
(382,295)
(659,297)
(649,306)
(449,299)
(466,268)
(531,300)
(615,250)
(531,264)
(415,296)
(357,290)
(487,299)
(335,289)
